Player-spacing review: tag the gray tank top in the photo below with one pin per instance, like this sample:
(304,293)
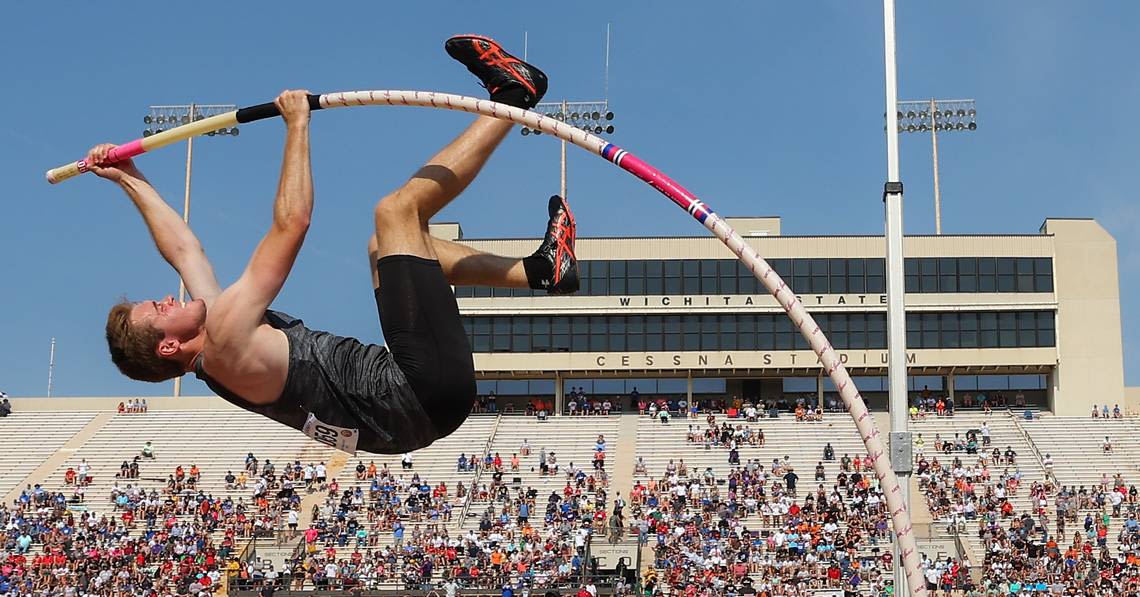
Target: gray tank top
(341,392)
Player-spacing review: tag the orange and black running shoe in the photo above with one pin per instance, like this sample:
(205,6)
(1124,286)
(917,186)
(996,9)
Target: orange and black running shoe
(556,254)
(498,71)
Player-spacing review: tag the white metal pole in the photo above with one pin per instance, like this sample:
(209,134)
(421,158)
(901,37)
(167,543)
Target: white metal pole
(565,115)
(896,315)
(937,189)
(51,367)
(185,218)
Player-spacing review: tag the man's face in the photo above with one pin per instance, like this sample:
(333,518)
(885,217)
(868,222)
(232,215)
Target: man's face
(175,320)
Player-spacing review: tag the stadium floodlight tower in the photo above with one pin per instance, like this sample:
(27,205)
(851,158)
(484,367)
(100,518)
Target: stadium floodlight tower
(161,118)
(593,117)
(937,116)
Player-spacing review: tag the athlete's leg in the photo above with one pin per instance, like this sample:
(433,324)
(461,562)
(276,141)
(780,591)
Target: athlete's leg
(418,310)
(464,266)
(402,217)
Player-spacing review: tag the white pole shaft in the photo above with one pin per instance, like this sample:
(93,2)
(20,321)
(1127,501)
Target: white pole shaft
(186,219)
(51,367)
(563,186)
(896,314)
(937,188)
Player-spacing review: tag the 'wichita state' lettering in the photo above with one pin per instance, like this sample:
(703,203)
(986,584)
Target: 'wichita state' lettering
(747,300)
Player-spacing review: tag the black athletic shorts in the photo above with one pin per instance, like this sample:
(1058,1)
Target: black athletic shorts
(422,329)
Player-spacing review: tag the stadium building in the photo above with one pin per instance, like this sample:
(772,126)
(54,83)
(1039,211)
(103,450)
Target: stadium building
(1033,317)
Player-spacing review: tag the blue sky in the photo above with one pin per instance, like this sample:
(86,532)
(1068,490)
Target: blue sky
(758,107)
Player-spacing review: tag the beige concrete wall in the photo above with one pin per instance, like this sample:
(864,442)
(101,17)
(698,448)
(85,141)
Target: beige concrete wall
(1132,401)
(1089,344)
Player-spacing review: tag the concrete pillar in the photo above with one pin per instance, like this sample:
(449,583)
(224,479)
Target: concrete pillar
(819,390)
(950,388)
(559,395)
(689,386)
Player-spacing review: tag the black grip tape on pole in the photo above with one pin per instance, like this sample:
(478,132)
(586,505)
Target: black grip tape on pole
(269,110)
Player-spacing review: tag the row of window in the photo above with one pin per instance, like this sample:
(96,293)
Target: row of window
(765,331)
(815,276)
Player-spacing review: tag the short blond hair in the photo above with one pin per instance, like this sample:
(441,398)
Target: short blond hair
(133,347)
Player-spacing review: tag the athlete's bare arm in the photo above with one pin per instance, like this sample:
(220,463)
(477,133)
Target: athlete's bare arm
(172,237)
(233,327)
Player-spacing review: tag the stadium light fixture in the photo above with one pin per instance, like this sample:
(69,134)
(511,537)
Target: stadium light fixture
(593,117)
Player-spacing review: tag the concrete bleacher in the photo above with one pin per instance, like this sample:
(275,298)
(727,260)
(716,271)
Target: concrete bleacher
(216,441)
(802,442)
(570,439)
(1003,432)
(1075,444)
(28,438)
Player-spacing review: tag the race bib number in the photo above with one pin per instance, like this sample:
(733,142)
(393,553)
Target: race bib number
(330,435)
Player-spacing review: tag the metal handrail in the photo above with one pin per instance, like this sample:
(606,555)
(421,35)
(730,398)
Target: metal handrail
(479,470)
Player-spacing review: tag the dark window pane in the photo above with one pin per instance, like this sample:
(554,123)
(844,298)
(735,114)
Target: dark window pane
(579,343)
(599,269)
(635,342)
(617,342)
(913,283)
(617,268)
(876,266)
(672,268)
(818,266)
(560,342)
(690,268)
(928,266)
(1043,274)
(654,342)
(599,343)
(1024,265)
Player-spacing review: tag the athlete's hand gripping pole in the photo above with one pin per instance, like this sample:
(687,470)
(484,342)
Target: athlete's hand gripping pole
(176,134)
